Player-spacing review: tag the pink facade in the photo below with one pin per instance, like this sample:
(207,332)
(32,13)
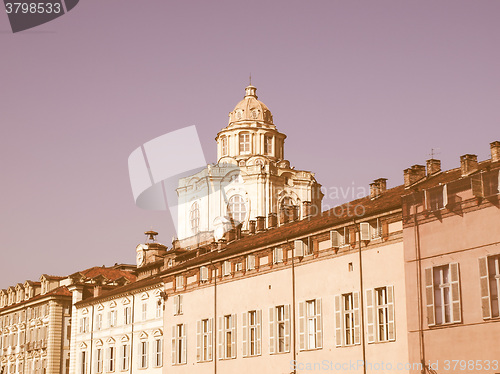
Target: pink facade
(452,253)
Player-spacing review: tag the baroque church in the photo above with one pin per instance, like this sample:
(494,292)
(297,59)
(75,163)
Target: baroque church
(251,186)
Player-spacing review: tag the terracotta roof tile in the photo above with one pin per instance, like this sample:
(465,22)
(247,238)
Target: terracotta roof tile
(59,291)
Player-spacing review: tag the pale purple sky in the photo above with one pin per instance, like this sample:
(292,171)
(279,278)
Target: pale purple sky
(363,89)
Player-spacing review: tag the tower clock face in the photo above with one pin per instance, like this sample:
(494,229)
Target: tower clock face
(140,258)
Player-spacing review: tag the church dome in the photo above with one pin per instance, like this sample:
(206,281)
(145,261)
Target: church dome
(250,109)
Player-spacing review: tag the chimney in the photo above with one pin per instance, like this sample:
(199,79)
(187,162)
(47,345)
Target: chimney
(295,212)
(433,166)
(97,290)
(414,174)
(251,226)
(231,235)
(468,164)
(261,223)
(272,220)
(377,187)
(495,151)
(306,209)
(238,231)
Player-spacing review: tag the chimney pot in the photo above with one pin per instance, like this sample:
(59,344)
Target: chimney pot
(495,151)
(261,223)
(306,209)
(468,164)
(251,226)
(272,220)
(414,174)
(433,166)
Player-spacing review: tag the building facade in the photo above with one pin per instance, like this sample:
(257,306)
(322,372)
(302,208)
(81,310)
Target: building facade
(452,256)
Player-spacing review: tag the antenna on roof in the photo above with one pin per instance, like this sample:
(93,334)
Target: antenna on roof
(433,152)
(250,79)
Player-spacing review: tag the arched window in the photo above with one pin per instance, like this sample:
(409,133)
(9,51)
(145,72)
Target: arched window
(244,143)
(194,217)
(236,208)
(223,142)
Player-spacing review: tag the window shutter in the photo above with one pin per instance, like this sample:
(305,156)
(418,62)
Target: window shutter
(429,296)
(338,322)
(426,200)
(233,337)
(272,332)
(259,331)
(245,334)
(287,328)
(364,229)
(210,338)
(477,185)
(391,333)
(334,238)
(184,344)
(221,338)
(302,326)
(485,287)
(87,324)
(357,332)
(455,292)
(445,195)
(370,316)
(176,304)
(319,325)
(352,236)
(385,229)
(174,346)
(198,341)
(298,248)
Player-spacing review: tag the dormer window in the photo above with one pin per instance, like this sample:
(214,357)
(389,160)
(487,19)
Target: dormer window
(223,142)
(244,143)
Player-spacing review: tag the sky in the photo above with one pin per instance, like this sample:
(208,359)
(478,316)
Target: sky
(362,89)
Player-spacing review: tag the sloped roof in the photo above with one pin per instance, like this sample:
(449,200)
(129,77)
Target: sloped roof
(59,291)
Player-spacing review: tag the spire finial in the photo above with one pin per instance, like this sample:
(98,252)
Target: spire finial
(250,79)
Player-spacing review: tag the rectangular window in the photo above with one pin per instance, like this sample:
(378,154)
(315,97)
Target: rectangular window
(143,354)
(158,353)
(436,198)
(177,304)
(244,143)
(224,145)
(112,318)
(204,340)
(127,315)
(252,333)
(282,325)
(125,349)
(228,336)
(238,266)
(348,318)
(250,262)
(144,310)
(268,144)
(83,362)
(159,308)
(98,358)
(277,255)
(226,268)
(347,326)
(489,273)
(382,314)
(179,282)
(179,354)
(98,323)
(442,286)
(111,358)
(491,183)
(310,325)
(84,324)
(203,274)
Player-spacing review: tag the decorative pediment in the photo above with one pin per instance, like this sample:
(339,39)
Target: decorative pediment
(112,304)
(98,343)
(157,332)
(100,307)
(144,296)
(83,345)
(111,341)
(85,311)
(125,301)
(124,339)
(143,335)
